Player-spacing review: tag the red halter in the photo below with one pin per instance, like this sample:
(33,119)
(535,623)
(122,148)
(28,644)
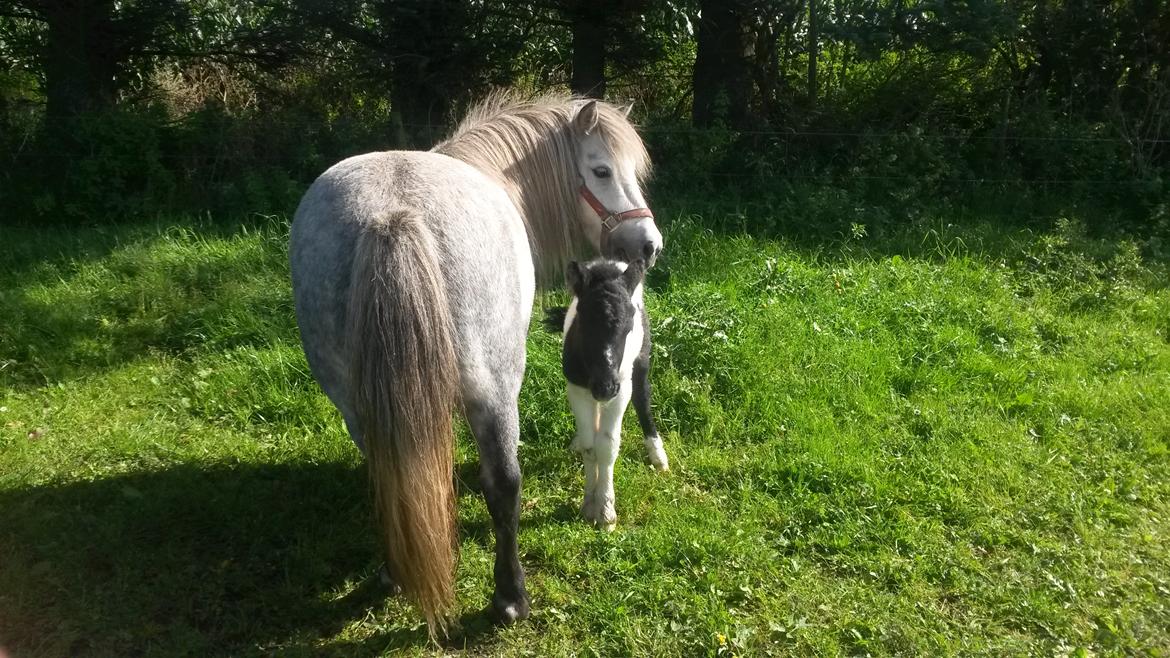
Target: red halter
(610,219)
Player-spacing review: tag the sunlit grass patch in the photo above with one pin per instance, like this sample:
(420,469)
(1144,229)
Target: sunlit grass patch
(909,443)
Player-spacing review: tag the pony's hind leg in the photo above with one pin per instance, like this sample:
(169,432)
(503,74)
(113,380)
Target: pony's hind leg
(496,426)
(650,437)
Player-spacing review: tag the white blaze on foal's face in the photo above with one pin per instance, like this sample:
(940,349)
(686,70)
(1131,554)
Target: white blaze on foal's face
(603,327)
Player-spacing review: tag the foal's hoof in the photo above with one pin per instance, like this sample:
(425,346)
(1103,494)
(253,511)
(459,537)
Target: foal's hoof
(506,613)
(589,507)
(656,454)
(600,514)
(388,582)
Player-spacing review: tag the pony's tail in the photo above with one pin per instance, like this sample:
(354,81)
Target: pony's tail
(405,382)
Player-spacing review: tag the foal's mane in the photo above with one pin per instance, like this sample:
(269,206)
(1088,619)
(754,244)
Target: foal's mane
(527,145)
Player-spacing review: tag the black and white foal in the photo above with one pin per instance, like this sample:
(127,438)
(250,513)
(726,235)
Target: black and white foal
(606,359)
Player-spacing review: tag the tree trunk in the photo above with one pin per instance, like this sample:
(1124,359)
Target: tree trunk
(813,53)
(419,107)
(588,51)
(722,74)
(432,63)
(80,64)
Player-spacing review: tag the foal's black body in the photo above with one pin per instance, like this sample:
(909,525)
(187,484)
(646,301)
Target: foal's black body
(606,360)
(583,342)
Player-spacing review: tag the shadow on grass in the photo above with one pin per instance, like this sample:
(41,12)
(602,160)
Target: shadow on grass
(198,559)
(109,296)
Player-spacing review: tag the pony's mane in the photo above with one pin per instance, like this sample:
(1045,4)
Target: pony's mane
(527,145)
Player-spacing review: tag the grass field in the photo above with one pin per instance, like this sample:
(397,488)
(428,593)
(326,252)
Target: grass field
(937,440)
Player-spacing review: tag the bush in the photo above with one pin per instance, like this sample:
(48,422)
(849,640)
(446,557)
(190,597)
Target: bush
(91,167)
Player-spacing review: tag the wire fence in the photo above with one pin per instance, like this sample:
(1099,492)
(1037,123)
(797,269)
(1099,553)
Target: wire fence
(203,162)
(243,141)
(385,125)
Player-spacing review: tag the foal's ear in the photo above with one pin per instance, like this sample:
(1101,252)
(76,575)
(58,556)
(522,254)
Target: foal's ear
(586,119)
(632,277)
(629,107)
(575,277)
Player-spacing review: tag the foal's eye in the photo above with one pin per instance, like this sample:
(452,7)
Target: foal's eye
(601,172)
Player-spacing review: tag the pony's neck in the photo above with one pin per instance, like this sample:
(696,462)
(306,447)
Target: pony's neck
(531,155)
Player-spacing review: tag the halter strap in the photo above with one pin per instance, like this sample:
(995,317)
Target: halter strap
(610,219)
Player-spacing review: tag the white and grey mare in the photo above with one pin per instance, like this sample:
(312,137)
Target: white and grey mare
(606,360)
(413,276)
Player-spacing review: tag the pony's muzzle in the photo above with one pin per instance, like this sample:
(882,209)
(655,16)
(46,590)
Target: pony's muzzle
(634,240)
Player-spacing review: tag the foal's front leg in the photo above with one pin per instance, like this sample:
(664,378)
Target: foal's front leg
(606,444)
(585,413)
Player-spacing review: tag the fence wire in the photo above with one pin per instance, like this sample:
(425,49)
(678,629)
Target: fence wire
(240,135)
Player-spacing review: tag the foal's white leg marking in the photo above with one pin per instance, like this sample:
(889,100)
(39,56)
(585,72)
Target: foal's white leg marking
(657,455)
(589,501)
(605,448)
(653,443)
(585,411)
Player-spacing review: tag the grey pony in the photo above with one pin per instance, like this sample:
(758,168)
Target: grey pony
(414,275)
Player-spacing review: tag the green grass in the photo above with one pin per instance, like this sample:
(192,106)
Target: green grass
(938,440)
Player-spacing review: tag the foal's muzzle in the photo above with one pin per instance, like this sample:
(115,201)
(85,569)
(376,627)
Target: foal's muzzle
(604,390)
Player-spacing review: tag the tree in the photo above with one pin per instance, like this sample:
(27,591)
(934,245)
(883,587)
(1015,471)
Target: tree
(814,52)
(83,47)
(588,20)
(87,52)
(609,36)
(722,77)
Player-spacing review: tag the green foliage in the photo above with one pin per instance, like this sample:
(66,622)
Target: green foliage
(215,106)
(944,436)
(137,162)
(95,165)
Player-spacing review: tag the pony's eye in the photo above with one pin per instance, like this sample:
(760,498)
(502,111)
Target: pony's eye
(601,172)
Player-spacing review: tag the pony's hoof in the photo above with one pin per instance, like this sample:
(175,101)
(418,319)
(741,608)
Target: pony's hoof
(608,522)
(656,454)
(388,582)
(506,613)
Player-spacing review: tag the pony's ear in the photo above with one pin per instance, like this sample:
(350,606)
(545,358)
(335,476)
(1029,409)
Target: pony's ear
(629,107)
(586,119)
(632,277)
(575,277)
